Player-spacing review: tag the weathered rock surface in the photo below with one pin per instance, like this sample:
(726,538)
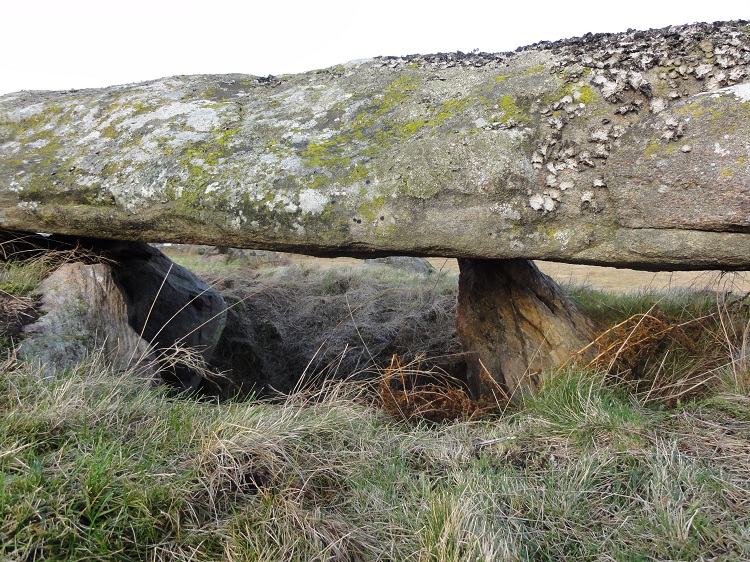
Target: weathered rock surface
(629,150)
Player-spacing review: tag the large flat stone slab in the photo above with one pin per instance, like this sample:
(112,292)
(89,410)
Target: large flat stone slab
(627,150)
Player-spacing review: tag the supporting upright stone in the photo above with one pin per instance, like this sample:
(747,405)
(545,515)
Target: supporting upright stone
(122,293)
(84,313)
(515,322)
(170,307)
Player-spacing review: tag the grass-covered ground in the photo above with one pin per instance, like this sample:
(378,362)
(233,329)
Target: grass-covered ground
(644,455)
(94,466)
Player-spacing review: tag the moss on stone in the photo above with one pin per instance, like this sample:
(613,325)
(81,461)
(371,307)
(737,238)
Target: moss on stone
(652,149)
(534,69)
(511,111)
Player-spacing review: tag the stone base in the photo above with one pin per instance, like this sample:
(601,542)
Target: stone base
(83,314)
(515,322)
(119,296)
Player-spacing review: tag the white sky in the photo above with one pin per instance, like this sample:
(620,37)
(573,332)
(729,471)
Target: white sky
(63,44)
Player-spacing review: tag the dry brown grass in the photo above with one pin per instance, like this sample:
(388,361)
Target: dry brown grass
(292,326)
(627,347)
(408,392)
(671,358)
(411,393)
(15,312)
(53,252)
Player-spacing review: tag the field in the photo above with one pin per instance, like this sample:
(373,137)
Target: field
(642,456)
(600,278)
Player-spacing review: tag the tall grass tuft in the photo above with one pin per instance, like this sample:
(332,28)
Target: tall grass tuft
(671,347)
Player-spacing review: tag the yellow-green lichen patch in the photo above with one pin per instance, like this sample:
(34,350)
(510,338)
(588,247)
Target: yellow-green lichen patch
(370,211)
(583,94)
(700,109)
(45,166)
(422,184)
(204,173)
(727,173)
(534,69)
(409,129)
(359,173)
(118,112)
(577,92)
(342,158)
(224,140)
(327,154)
(41,135)
(79,195)
(652,149)
(450,108)
(36,121)
(716,115)
(511,111)
(210,153)
(396,93)
(317,181)
(655,149)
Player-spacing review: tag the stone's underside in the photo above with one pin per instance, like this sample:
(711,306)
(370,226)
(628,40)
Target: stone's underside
(515,322)
(628,150)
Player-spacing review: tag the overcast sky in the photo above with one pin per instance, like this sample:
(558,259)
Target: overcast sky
(63,44)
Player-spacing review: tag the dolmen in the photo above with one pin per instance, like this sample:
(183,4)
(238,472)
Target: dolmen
(627,150)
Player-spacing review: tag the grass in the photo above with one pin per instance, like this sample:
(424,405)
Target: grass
(21,279)
(97,466)
(612,461)
(672,346)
